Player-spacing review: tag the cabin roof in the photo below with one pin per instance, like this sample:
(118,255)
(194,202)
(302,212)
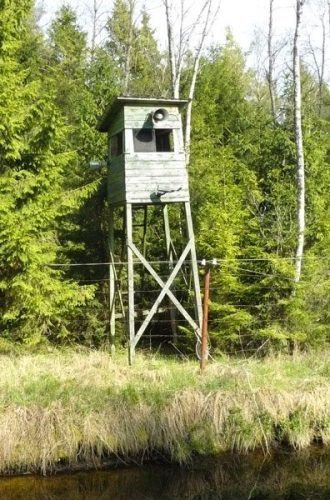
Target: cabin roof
(119,102)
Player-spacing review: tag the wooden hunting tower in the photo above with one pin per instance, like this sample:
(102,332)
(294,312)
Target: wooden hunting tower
(147,166)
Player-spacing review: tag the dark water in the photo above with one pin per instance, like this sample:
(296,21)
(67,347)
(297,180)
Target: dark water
(283,475)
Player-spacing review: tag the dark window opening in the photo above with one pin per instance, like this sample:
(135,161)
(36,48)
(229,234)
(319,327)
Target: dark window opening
(153,140)
(117,144)
(144,141)
(164,140)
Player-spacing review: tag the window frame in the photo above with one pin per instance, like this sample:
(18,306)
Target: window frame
(121,143)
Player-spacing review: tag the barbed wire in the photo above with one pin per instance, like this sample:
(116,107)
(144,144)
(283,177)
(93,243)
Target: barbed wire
(262,313)
(199,261)
(218,288)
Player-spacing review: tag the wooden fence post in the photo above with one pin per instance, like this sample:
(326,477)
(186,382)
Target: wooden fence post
(205,318)
(207,279)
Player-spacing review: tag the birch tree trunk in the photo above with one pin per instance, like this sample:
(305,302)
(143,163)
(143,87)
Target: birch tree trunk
(95,15)
(299,144)
(180,54)
(178,51)
(127,69)
(171,52)
(270,74)
(193,81)
(320,65)
(205,18)
(322,68)
(93,41)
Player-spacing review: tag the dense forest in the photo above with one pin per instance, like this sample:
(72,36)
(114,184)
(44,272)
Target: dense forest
(242,167)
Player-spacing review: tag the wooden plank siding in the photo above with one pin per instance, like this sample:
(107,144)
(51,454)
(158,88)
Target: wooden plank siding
(142,114)
(117,124)
(142,180)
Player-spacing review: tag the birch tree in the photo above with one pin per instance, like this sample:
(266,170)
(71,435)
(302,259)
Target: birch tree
(321,67)
(122,29)
(171,54)
(131,4)
(178,52)
(320,61)
(197,59)
(299,143)
(96,15)
(271,59)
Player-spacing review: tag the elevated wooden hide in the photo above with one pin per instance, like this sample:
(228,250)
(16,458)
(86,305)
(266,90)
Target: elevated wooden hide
(146,151)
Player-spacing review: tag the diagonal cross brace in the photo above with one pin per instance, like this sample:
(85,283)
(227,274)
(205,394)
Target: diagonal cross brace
(165,290)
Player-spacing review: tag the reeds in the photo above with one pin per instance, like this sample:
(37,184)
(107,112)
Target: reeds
(80,408)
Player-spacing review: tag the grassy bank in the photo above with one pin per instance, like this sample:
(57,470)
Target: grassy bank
(80,407)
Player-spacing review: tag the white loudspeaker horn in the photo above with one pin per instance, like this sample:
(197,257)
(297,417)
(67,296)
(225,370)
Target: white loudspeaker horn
(160,115)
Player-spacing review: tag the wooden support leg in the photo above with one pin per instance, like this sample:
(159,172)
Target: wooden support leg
(169,253)
(145,225)
(123,236)
(165,290)
(198,301)
(112,285)
(130,277)
(144,242)
(122,248)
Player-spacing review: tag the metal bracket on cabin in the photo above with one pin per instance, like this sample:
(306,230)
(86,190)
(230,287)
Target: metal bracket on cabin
(98,164)
(161,190)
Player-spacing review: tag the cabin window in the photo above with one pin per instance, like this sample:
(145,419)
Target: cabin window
(117,144)
(164,140)
(147,140)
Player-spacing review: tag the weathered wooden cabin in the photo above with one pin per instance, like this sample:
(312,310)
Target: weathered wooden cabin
(146,151)
(147,166)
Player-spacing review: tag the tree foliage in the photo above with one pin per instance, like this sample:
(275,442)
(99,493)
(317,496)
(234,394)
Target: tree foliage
(36,299)
(53,209)
(245,207)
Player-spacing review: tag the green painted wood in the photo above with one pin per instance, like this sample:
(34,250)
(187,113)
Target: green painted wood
(170,255)
(112,293)
(169,189)
(163,159)
(165,290)
(197,294)
(150,200)
(145,173)
(116,197)
(117,164)
(137,113)
(151,187)
(117,105)
(116,180)
(117,184)
(130,277)
(142,175)
(138,192)
(130,124)
(117,123)
(135,177)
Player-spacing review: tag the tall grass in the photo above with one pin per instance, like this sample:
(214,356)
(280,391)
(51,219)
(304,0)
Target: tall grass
(75,408)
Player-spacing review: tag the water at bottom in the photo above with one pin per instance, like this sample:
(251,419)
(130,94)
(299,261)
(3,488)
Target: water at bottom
(255,476)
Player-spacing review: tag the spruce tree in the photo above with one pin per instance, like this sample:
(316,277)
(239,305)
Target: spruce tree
(36,300)
(134,50)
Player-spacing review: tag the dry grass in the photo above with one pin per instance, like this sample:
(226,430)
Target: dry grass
(80,407)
